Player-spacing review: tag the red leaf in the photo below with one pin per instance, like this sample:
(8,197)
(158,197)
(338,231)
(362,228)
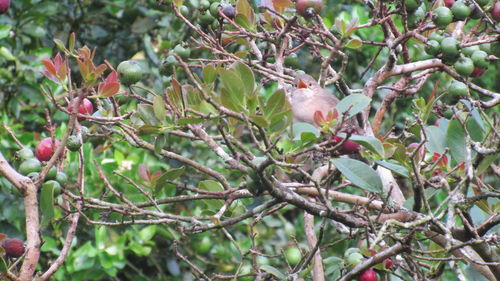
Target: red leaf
(144,173)
(50,66)
(318,117)
(108,89)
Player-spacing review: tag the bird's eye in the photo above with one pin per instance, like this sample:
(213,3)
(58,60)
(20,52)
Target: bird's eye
(310,84)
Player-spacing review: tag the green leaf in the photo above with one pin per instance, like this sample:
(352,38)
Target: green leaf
(247,77)
(354,44)
(359,173)
(275,104)
(355,103)
(398,169)
(436,140)
(4,30)
(185,121)
(149,130)
(210,185)
(169,175)
(371,143)
(3,266)
(209,73)
(147,232)
(273,271)
(485,164)
(300,128)
(61,46)
(232,82)
(455,139)
(147,114)
(175,95)
(159,108)
(230,101)
(4,52)
(160,142)
(47,204)
(244,8)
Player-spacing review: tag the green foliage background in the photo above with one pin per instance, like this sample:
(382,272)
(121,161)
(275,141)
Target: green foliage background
(119,30)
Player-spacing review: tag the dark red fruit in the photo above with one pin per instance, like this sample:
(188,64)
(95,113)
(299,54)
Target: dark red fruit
(388,263)
(368,275)
(85,108)
(308,8)
(477,72)
(495,11)
(14,247)
(348,146)
(229,11)
(44,150)
(4,6)
(449,3)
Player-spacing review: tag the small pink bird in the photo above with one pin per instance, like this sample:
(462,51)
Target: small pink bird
(307,97)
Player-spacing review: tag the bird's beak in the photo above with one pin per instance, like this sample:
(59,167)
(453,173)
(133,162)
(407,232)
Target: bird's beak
(302,85)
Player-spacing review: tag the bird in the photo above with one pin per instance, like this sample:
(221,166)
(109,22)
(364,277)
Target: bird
(307,97)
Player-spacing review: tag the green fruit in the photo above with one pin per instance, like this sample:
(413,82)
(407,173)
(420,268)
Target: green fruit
(457,88)
(204,5)
(495,49)
(308,8)
(354,259)
(350,251)
(182,52)
(469,50)
(129,72)
(24,154)
(54,185)
(214,9)
(464,66)
(460,10)
(485,47)
(449,47)
(433,47)
(206,19)
(442,16)
(412,5)
(184,10)
(437,36)
(62,178)
(168,65)
(51,175)
(293,255)
(29,166)
(85,133)
(73,143)
(204,245)
(414,17)
(480,59)
(33,176)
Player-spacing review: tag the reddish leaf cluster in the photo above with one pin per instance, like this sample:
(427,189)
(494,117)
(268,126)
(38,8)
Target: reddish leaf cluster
(56,69)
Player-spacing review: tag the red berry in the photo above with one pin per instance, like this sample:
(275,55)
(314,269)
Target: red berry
(495,11)
(44,150)
(449,3)
(477,72)
(14,247)
(4,6)
(368,275)
(85,108)
(388,263)
(348,147)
